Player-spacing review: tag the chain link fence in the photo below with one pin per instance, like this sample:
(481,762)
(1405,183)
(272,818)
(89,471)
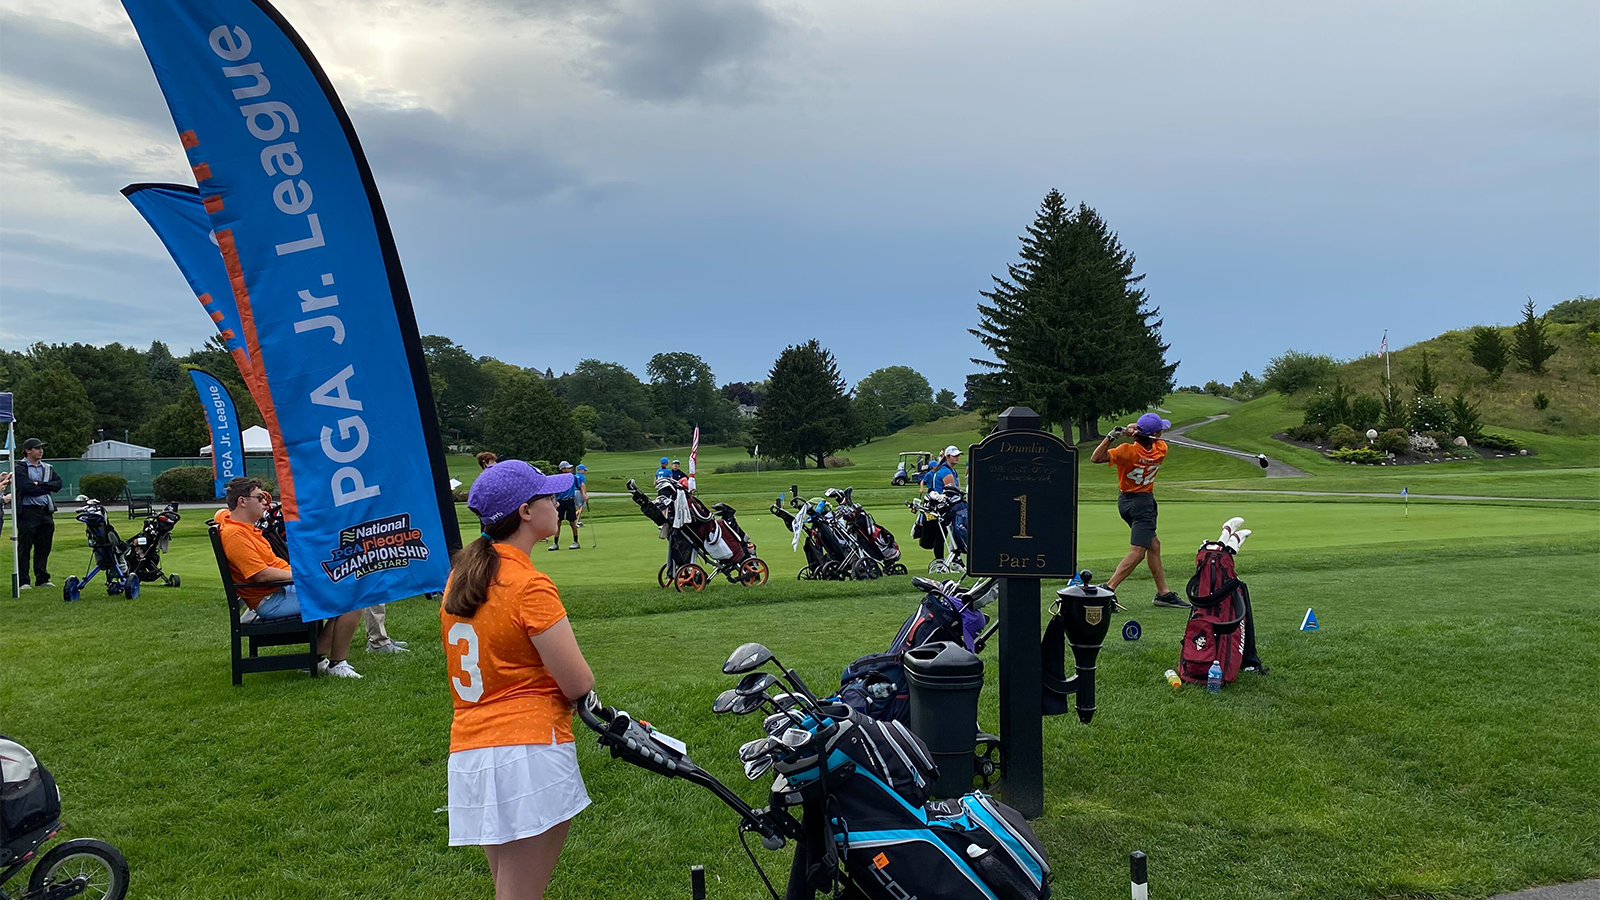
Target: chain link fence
(140,472)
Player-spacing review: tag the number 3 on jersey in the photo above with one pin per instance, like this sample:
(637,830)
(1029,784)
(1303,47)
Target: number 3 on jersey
(1143,474)
(469,684)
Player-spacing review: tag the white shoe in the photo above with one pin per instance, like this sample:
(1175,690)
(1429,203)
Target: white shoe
(399,643)
(391,647)
(248,616)
(341,669)
(25,587)
(48,584)
(575,546)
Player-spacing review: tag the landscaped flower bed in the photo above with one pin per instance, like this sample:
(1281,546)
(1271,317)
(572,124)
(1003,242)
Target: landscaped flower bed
(1399,448)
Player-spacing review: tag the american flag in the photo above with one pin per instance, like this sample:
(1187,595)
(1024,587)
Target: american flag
(1383,346)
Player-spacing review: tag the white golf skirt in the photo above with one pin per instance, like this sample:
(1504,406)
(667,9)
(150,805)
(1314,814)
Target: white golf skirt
(503,794)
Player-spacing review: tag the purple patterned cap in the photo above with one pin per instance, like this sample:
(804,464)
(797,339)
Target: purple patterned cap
(507,485)
(1150,423)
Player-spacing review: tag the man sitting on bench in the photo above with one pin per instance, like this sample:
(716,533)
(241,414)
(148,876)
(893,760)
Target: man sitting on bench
(250,559)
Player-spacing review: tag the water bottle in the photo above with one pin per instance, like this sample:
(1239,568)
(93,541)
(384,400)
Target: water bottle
(1214,677)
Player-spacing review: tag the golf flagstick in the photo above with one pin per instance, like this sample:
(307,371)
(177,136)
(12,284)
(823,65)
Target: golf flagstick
(1405,493)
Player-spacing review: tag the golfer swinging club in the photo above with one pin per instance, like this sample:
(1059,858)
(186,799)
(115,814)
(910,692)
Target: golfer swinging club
(1137,464)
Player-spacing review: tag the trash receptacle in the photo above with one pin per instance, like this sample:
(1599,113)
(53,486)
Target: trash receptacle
(946,679)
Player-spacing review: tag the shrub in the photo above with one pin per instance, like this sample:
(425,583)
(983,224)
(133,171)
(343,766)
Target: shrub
(1363,455)
(1429,413)
(1342,436)
(1421,443)
(1365,410)
(459,494)
(772,464)
(102,485)
(1395,440)
(1498,442)
(592,441)
(1540,401)
(1311,433)
(1442,438)
(191,484)
(837,462)
(1329,408)
(1296,371)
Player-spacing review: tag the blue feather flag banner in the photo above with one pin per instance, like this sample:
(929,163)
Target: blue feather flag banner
(178,216)
(323,305)
(227,442)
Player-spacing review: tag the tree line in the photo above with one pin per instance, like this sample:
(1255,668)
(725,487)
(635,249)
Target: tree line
(1070,331)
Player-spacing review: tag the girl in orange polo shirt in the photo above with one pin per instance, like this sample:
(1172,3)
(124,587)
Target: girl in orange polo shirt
(515,671)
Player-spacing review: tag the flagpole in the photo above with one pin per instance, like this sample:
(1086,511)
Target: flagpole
(1386,376)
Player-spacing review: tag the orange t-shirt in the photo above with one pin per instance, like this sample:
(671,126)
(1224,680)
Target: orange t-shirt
(1137,467)
(502,692)
(248,553)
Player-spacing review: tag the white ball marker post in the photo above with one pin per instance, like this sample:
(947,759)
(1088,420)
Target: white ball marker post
(1138,875)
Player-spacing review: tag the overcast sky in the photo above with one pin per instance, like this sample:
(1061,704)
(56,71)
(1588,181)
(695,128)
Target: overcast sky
(616,178)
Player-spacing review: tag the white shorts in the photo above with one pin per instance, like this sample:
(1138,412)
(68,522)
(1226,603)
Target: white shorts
(503,794)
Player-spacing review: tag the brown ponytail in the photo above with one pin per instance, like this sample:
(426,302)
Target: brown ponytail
(474,568)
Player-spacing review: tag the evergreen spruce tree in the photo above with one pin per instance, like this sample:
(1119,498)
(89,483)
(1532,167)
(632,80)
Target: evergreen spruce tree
(1069,328)
(805,414)
(1530,343)
(1423,380)
(1393,412)
(1464,418)
(1489,351)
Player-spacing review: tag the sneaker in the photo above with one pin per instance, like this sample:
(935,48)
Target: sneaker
(341,669)
(25,587)
(248,616)
(553,547)
(401,644)
(575,546)
(48,584)
(391,647)
(1171,600)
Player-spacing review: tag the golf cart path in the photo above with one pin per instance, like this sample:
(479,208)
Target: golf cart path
(1391,495)
(1580,890)
(1275,468)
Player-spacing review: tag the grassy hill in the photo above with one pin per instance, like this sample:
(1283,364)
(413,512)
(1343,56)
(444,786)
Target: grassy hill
(1571,382)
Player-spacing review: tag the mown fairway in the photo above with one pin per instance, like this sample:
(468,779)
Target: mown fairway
(1436,738)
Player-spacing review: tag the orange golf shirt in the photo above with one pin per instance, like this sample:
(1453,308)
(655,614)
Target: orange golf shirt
(248,553)
(502,692)
(1137,467)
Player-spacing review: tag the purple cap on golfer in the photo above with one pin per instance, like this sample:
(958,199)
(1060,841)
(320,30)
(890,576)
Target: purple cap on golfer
(507,485)
(1150,423)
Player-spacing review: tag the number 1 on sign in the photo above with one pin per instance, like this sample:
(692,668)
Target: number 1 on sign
(1022,518)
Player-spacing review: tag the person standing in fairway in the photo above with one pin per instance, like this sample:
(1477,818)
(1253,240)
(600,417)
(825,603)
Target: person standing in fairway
(580,479)
(566,508)
(1137,463)
(515,673)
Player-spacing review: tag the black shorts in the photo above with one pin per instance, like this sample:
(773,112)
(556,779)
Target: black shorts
(1139,511)
(566,510)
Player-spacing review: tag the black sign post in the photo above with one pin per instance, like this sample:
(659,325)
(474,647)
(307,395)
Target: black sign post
(1023,510)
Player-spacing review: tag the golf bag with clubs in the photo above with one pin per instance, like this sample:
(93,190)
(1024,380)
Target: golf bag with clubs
(30,815)
(144,551)
(831,555)
(273,529)
(1221,625)
(941,526)
(852,793)
(872,539)
(110,555)
(691,529)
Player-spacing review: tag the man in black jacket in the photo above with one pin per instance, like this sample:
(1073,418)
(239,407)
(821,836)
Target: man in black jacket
(34,481)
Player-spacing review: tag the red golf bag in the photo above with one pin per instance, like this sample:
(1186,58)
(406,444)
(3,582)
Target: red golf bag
(1221,628)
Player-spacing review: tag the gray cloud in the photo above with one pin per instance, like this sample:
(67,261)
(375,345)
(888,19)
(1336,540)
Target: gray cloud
(82,65)
(707,49)
(84,171)
(421,147)
(32,246)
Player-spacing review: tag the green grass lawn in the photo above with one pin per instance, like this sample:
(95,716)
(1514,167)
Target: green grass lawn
(1434,739)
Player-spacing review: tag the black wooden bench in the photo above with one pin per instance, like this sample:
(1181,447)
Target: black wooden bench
(280,632)
(138,506)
